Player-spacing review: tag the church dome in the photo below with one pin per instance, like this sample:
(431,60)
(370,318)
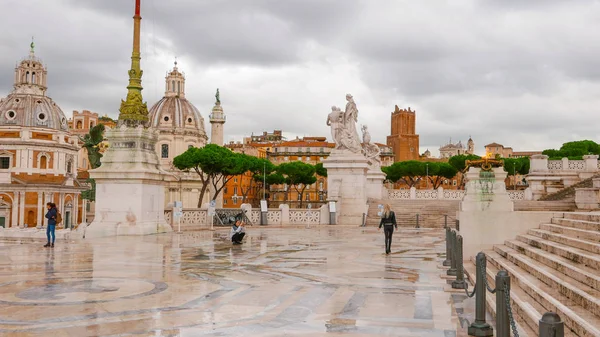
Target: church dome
(27,105)
(174,113)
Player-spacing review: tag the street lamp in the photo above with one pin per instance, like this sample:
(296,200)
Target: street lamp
(264,179)
(514,177)
(427,171)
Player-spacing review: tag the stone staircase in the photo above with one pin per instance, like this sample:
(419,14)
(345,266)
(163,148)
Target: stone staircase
(553,268)
(545,206)
(431,212)
(568,193)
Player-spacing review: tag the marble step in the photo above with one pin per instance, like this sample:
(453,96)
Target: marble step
(576,255)
(585,216)
(575,271)
(579,224)
(572,232)
(570,313)
(577,292)
(583,244)
(526,316)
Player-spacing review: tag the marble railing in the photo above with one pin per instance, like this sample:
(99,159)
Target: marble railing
(440,194)
(541,163)
(275,216)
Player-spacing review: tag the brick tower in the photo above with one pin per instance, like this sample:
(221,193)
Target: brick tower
(403,139)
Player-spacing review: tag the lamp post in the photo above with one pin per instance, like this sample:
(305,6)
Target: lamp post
(264,179)
(514,176)
(427,172)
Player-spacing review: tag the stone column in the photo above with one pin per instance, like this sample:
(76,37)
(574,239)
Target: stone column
(539,163)
(40,209)
(61,205)
(75,208)
(14,222)
(21,204)
(591,163)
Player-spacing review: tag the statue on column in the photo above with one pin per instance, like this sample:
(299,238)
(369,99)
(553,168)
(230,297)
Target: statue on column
(343,126)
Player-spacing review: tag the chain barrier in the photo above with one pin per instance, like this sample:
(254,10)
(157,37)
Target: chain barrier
(467,290)
(485,281)
(513,325)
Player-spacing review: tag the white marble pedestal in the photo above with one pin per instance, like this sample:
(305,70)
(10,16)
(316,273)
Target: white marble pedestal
(375,178)
(130,194)
(347,185)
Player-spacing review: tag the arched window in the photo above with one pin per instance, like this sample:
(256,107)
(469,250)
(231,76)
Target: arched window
(79,125)
(164,151)
(173,85)
(43,162)
(33,77)
(91,125)
(178,87)
(27,77)
(69,166)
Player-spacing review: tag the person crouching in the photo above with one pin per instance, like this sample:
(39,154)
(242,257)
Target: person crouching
(238,231)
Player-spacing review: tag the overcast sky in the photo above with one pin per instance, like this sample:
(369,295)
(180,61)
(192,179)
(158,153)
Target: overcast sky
(524,74)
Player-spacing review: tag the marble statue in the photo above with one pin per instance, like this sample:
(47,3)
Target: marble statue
(218,96)
(371,150)
(343,126)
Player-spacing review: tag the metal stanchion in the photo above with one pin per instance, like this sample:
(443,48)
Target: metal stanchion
(457,225)
(418,221)
(459,283)
(480,328)
(551,325)
(445,220)
(447,260)
(502,291)
(452,270)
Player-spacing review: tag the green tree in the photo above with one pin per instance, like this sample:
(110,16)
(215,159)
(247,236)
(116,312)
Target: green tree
(321,171)
(298,175)
(214,164)
(519,166)
(440,171)
(574,150)
(409,171)
(91,142)
(459,161)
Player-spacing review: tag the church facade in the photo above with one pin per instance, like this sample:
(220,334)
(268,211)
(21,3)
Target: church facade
(38,153)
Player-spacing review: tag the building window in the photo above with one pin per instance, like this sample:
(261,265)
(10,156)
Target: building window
(321,197)
(4,163)
(164,151)
(308,149)
(178,87)
(225,190)
(235,180)
(235,190)
(79,125)
(235,201)
(43,162)
(190,146)
(69,166)
(10,115)
(91,125)
(321,150)
(225,202)
(453,182)
(307,196)
(88,206)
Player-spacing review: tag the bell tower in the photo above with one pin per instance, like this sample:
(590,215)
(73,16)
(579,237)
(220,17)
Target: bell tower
(403,139)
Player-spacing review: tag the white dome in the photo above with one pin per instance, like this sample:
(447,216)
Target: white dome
(27,105)
(174,113)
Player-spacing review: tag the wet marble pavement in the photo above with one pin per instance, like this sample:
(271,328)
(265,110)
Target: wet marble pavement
(327,281)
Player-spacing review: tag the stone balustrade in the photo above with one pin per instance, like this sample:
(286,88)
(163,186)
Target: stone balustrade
(275,216)
(541,163)
(441,194)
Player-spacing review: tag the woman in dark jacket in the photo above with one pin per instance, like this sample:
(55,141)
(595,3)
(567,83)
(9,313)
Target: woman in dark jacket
(388,221)
(51,216)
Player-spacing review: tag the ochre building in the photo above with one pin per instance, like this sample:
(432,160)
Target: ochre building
(38,154)
(403,140)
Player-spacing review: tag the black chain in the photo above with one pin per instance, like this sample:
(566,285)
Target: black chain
(485,281)
(467,289)
(513,325)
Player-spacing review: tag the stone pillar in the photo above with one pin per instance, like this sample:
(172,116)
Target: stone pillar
(538,163)
(413,193)
(40,209)
(375,178)
(14,208)
(591,163)
(75,209)
(440,191)
(61,205)
(22,208)
(285,214)
(347,177)
(565,164)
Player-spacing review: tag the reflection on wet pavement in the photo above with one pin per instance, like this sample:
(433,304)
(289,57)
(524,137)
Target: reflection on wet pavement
(280,282)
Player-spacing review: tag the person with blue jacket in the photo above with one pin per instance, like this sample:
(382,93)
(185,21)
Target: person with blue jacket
(51,215)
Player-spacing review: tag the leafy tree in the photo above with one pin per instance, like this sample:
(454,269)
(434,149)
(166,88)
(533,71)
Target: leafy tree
(440,171)
(409,171)
(574,150)
(91,142)
(214,164)
(459,161)
(321,171)
(518,166)
(298,175)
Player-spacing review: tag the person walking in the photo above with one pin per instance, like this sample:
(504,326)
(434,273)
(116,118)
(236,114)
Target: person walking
(388,221)
(51,215)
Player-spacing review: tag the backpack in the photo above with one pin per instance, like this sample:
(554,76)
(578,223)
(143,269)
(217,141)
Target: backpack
(58,217)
